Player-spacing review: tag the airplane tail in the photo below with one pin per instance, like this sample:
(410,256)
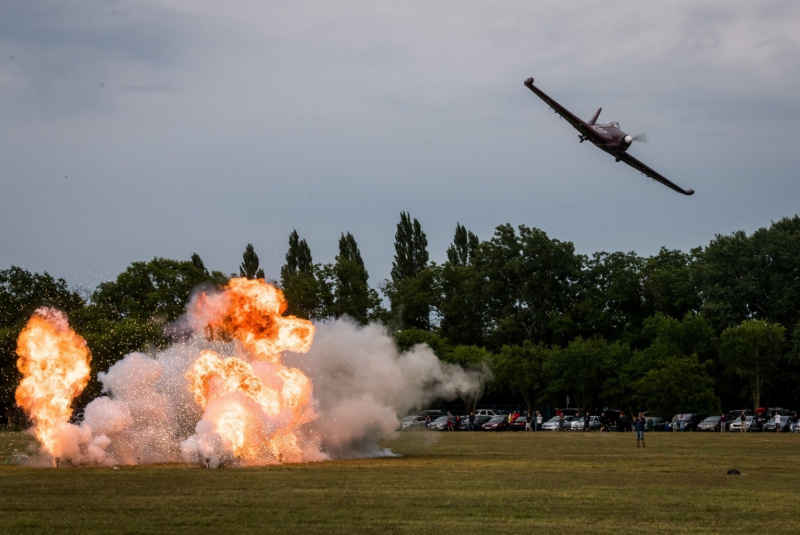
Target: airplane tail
(594,117)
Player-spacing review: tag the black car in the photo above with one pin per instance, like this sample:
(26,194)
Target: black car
(690,421)
(480,419)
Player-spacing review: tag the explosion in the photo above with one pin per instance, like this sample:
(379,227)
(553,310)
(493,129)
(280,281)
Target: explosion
(251,312)
(54,362)
(223,394)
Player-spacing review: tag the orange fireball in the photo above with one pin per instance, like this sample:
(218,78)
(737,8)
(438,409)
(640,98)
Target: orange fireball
(257,412)
(252,314)
(54,362)
(258,422)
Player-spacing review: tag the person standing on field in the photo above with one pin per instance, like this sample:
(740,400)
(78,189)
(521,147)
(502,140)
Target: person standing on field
(638,429)
(743,418)
(722,423)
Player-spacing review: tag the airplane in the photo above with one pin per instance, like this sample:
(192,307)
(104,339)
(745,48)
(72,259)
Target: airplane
(607,137)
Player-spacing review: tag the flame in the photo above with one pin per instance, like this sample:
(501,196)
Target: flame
(251,313)
(54,362)
(256,412)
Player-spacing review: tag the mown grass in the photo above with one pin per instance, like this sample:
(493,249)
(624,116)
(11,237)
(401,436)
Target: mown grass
(442,483)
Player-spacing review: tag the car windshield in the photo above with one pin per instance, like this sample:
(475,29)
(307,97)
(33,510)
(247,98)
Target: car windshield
(553,419)
(712,419)
(497,418)
(440,419)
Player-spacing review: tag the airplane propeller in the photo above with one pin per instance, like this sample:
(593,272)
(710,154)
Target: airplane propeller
(641,137)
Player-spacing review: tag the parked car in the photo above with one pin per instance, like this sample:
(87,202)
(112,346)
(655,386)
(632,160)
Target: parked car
(433,413)
(439,424)
(518,424)
(758,423)
(709,424)
(478,425)
(786,424)
(497,423)
(489,412)
(552,423)
(690,422)
(736,425)
(730,416)
(578,424)
(412,422)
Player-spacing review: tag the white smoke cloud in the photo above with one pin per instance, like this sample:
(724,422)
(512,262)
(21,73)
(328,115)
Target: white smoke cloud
(362,383)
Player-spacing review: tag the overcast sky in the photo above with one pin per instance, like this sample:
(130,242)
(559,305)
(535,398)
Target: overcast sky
(130,130)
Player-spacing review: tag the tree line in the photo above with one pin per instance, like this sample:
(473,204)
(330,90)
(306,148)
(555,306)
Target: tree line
(717,327)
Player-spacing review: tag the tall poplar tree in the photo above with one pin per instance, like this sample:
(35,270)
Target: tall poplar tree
(410,291)
(462,304)
(299,280)
(249,266)
(352,295)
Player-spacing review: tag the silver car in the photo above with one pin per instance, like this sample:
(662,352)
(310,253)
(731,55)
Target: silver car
(412,422)
(736,425)
(577,424)
(552,423)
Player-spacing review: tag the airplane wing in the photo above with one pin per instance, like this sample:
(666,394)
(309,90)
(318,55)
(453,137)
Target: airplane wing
(580,126)
(639,166)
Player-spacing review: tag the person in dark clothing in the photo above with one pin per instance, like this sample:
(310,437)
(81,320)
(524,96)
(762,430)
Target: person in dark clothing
(638,429)
(586,420)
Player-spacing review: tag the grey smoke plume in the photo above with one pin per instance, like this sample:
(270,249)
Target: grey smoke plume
(362,383)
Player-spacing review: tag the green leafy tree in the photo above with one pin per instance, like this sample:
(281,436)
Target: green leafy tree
(461,305)
(671,284)
(350,291)
(613,303)
(529,284)
(679,384)
(753,351)
(405,339)
(520,369)
(410,249)
(197,262)
(462,251)
(581,369)
(752,277)
(151,291)
(22,292)
(411,289)
(300,280)
(249,266)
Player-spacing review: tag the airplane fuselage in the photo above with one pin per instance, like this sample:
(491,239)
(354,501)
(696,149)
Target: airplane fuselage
(610,138)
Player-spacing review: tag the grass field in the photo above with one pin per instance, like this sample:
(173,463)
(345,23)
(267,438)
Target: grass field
(442,483)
